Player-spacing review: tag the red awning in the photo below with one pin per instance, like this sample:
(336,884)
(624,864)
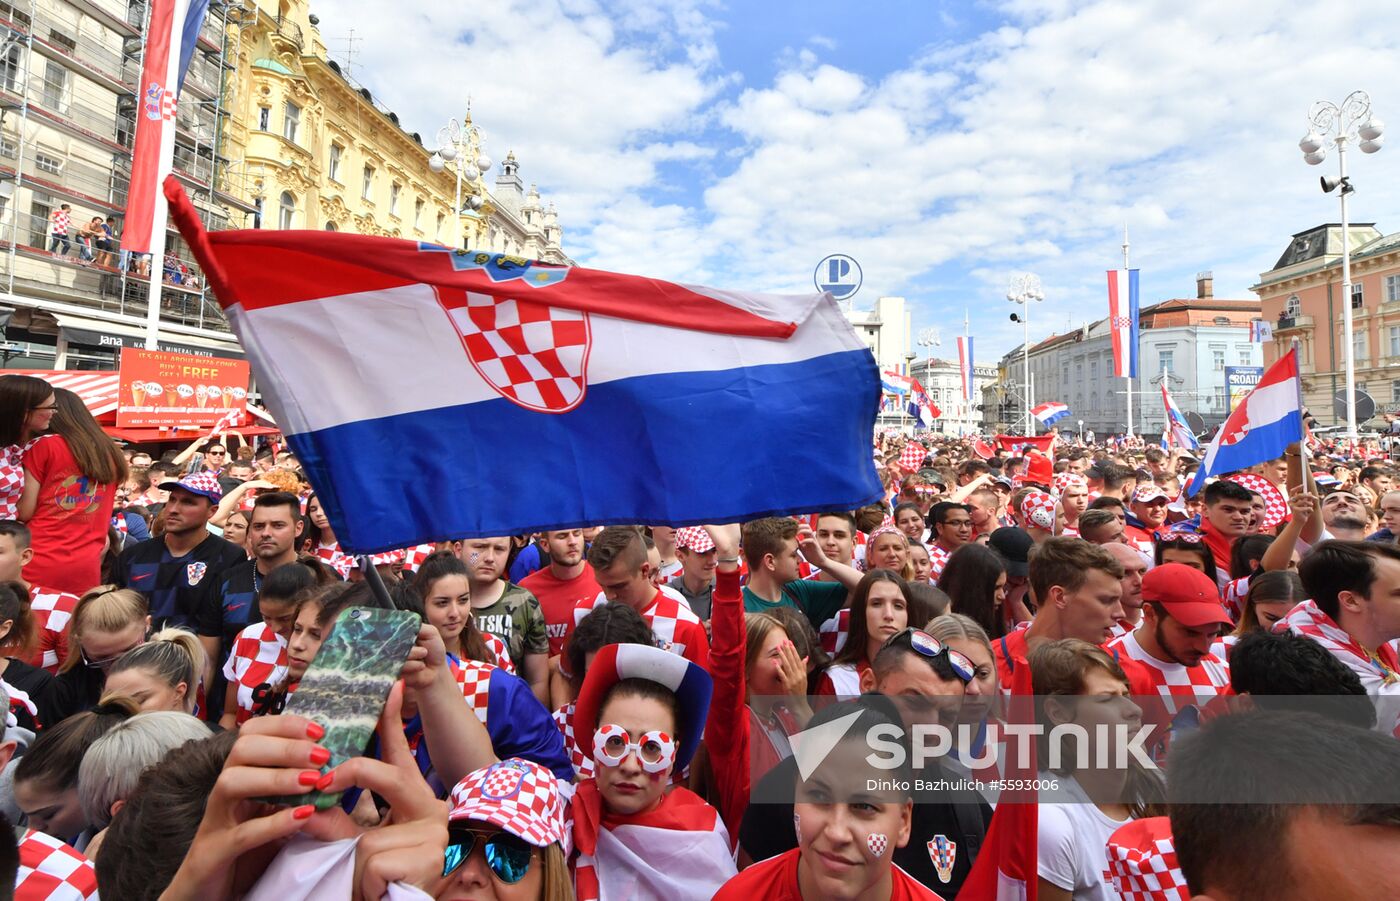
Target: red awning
(146,436)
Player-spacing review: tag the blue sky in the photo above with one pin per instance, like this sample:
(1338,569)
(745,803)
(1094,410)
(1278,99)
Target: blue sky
(945,145)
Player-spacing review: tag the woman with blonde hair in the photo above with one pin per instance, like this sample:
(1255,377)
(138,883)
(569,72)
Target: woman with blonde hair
(107,622)
(888,548)
(1078,684)
(162,674)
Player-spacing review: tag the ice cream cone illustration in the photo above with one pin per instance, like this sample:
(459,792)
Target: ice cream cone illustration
(226,396)
(138,393)
(201,395)
(155,393)
(216,396)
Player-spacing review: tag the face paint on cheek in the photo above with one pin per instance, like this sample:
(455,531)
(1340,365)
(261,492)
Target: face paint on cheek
(876,842)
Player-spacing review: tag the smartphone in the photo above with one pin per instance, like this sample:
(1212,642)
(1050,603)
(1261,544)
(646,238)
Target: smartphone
(345,686)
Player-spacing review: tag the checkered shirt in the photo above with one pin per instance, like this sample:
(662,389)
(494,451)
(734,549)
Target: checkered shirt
(50,870)
(1275,506)
(1308,620)
(1222,646)
(1142,864)
(259,657)
(11,481)
(674,626)
(502,652)
(836,630)
(517,795)
(530,352)
(1233,595)
(60,220)
(564,719)
(474,678)
(1178,685)
(938,558)
(414,556)
(52,610)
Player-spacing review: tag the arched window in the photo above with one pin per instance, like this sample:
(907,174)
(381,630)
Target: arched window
(286,210)
(1292,307)
(330,226)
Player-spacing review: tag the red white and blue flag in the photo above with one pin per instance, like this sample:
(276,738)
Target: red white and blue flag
(170,41)
(1049,412)
(1260,331)
(965,367)
(1268,420)
(921,406)
(1123,321)
(1177,427)
(432,394)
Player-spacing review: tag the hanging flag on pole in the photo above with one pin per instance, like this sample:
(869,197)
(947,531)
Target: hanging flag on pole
(1049,412)
(424,389)
(1180,431)
(1268,420)
(1260,331)
(170,43)
(965,367)
(921,407)
(1123,321)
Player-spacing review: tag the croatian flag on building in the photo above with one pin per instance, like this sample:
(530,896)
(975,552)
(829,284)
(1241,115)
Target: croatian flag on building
(1268,420)
(170,41)
(1123,321)
(1260,331)
(965,367)
(433,394)
(1180,432)
(1050,412)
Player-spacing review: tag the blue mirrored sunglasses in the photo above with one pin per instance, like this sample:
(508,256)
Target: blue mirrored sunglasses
(507,855)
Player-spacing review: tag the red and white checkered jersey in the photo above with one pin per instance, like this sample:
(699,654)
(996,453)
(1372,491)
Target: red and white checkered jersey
(502,652)
(50,870)
(336,559)
(1119,629)
(1378,673)
(676,628)
(52,610)
(564,719)
(258,657)
(474,678)
(1179,686)
(939,559)
(1232,596)
(61,219)
(11,480)
(835,631)
(1222,647)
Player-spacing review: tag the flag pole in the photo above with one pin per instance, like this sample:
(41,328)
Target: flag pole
(1132,330)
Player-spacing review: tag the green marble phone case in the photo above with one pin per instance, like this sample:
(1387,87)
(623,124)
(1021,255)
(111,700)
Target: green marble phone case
(345,687)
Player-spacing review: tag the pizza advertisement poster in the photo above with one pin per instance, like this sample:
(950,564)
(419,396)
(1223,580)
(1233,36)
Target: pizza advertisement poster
(169,390)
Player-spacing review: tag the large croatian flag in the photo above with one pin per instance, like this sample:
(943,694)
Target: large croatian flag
(1268,420)
(1050,412)
(433,394)
(170,39)
(1180,431)
(1123,320)
(965,367)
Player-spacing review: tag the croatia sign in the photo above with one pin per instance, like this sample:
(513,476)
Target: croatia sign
(432,394)
(1123,320)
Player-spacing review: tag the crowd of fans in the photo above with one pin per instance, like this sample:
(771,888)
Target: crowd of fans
(611,712)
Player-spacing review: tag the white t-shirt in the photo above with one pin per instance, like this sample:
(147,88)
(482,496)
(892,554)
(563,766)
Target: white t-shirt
(1073,844)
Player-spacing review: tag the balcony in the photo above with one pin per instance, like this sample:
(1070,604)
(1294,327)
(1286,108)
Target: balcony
(291,31)
(1298,323)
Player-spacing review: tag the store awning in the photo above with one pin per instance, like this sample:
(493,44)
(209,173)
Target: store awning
(97,333)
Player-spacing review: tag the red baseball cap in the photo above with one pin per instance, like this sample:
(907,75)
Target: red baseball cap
(1189,596)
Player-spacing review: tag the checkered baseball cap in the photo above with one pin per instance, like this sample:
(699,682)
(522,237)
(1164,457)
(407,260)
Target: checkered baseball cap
(1146,494)
(204,484)
(1039,509)
(520,796)
(1142,864)
(1275,507)
(694,538)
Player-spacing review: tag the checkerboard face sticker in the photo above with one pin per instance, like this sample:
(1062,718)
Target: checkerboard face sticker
(529,352)
(944,854)
(877,843)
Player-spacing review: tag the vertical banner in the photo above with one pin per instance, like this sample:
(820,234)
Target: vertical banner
(1123,321)
(965,367)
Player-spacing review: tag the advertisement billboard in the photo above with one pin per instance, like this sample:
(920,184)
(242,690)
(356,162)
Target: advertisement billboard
(1239,381)
(161,389)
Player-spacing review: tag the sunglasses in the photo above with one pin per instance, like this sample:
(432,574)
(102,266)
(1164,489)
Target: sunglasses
(508,856)
(931,647)
(46,407)
(656,750)
(1182,537)
(105,663)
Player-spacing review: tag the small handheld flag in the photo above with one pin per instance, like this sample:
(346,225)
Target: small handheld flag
(1177,426)
(1050,412)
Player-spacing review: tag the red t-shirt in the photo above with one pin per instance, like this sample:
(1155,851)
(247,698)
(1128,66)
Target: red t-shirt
(557,601)
(776,878)
(69,525)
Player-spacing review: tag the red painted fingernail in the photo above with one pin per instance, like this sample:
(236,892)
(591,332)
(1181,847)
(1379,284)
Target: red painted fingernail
(320,756)
(304,812)
(308,777)
(325,781)
(315,731)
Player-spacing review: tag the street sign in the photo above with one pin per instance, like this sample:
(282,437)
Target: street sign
(1365,406)
(839,274)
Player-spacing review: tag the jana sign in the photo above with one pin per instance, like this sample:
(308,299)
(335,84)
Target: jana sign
(838,274)
(168,389)
(1240,380)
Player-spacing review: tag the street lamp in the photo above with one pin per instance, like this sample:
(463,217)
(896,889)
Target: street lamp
(1331,125)
(929,337)
(454,143)
(1081,431)
(1024,289)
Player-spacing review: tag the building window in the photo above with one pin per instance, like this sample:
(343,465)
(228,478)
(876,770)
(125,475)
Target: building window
(291,119)
(330,226)
(1221,320)
(1392,288)
(1358,297)
(1358,344)
(56,87)
(1243,354)
(333,162)
(394,190)
(1164,359)
(1292,308)
(49,163)
(1395,341)
(418,212)
(1395,392)
(438,233)
(257,212)
(9,67)
(286,210)
(1093,370)
(1217,357)
(368,188)
(1220,401)
(264,118)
